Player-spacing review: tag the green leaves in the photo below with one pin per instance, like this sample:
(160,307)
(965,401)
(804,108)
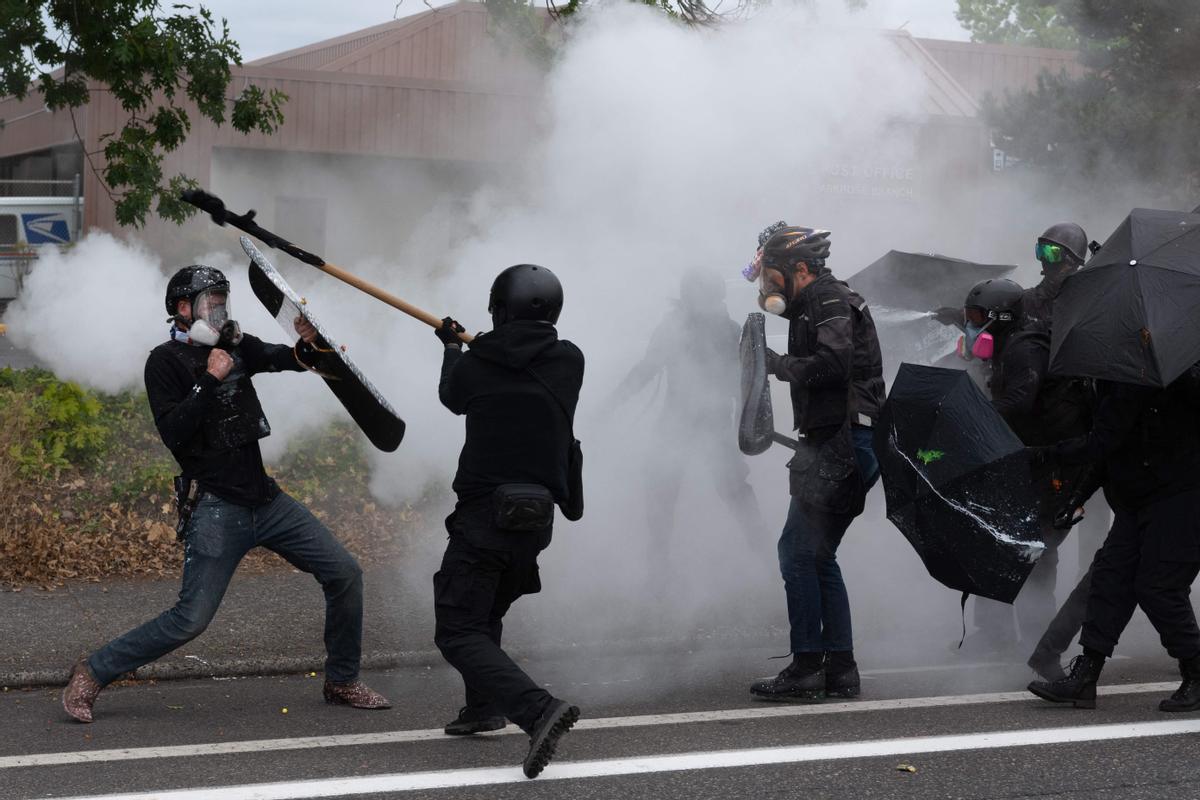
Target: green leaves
(1036,23)
(152,59)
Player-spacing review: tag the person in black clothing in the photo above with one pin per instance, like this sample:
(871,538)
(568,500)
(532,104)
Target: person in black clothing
(835,370)
(1061,250)
(518,386)
(208,415)
(695,351)
(1040,409)
(1144,446)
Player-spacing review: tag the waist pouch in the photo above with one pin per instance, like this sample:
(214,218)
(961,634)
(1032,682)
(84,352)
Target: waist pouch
(522,507)
(826,476)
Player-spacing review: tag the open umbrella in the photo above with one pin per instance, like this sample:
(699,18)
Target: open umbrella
(921,281)
(1130,314)
(957,483)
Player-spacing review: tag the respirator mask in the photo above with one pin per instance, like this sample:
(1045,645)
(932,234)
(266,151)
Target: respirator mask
(976,342)
(773,285)
(211,324)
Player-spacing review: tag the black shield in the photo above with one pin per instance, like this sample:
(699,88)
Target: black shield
(756,425)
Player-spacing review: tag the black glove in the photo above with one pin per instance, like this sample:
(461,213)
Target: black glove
(949,315)
(1064,518)
(773,360)
(448,333)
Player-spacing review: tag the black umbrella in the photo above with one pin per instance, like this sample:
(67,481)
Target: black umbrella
(921,281)
(1130,314)
(957,483)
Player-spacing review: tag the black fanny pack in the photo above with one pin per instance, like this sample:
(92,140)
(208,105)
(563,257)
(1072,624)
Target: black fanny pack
(522,507)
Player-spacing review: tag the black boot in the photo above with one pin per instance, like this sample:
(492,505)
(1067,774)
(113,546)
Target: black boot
(556,720)
(474,720)
(1187,696)
(1079,686)
(841,674)
(803,680)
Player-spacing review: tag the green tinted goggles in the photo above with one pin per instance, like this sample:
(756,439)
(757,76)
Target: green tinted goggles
(1049,252)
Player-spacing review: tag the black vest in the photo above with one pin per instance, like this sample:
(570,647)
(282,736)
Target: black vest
(235,418)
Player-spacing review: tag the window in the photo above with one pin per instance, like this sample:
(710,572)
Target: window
(8,230)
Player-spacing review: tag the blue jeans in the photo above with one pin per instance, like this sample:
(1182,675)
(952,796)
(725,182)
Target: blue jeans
(817,602)
(218,536)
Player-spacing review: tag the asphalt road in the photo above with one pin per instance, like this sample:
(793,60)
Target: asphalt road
(665,726)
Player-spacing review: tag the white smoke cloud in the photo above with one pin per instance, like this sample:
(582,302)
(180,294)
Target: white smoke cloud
(90,313)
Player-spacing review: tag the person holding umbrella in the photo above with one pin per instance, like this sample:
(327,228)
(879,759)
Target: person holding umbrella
(1041,409)
(835,371)
(1128,321)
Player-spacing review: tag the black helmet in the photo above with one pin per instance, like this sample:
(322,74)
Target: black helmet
(525,291)
(999,298)
(790,245)
(1070,237)
(191,281)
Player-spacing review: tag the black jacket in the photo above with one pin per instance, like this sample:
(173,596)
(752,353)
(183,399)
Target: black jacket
(1037,302)
(212,427)
(516,432)
(1144,442)
(833,360)
(1040,408)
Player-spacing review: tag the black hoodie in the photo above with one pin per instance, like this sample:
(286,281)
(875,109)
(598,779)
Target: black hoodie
(516,432)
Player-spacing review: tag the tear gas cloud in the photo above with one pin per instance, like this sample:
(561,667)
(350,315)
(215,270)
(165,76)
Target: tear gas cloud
(663,149)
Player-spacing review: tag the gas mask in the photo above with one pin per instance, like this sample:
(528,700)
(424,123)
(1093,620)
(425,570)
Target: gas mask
(976,342)
(774,285)
(211,324)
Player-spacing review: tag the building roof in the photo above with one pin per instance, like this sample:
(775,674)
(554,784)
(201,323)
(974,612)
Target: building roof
(944,96)
(999,69)
(450,43)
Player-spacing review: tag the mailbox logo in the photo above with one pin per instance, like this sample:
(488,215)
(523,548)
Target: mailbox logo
(46,228)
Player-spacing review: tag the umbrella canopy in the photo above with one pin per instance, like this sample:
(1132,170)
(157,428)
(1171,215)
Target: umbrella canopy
(1130,314)
(921,281)
(957,483)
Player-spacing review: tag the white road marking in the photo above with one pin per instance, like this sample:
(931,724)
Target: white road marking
(721,759)
(436,735)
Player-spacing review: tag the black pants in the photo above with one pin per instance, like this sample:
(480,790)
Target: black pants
(1065,626)
(483,572)
(1150,559)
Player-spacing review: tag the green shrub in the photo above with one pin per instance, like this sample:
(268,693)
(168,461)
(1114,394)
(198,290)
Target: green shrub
(60,421)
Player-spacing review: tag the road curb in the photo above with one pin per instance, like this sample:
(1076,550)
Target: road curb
(194,667)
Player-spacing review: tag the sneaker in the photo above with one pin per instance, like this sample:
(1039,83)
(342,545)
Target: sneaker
(81,692)
(355,694)
(556,720)
(470,720)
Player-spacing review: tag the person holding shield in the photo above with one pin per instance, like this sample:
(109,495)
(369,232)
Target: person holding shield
(209,417)
(834,368)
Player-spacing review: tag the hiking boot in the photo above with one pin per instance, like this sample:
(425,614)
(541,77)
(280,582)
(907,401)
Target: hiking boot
(1078,687)
(803,680)
(80,694)
(474,720)
(1047,666)
(1187,696)
(355,694)
(841,674)
(556,720)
